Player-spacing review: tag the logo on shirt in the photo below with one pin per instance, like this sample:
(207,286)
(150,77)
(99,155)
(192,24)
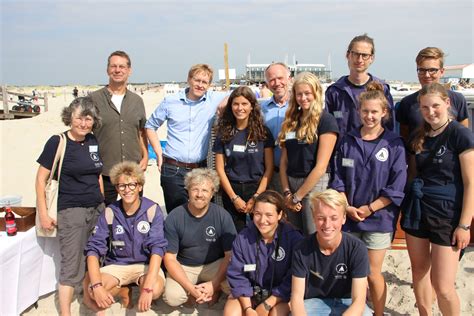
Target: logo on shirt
(211,231)
(281,254)
(382,155)
(143,227)
(441,151)
(341,271)
(227,152)
(94,156)
(95,230)
(119,230)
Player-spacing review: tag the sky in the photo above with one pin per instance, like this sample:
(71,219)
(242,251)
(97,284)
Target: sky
(68,42)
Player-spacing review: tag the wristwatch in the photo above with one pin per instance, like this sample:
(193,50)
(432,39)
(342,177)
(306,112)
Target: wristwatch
(465,227)
(267,306)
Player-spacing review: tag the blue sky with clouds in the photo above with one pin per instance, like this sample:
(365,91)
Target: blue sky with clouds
(68,42)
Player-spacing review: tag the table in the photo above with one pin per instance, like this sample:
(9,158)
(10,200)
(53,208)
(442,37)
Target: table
(29,268)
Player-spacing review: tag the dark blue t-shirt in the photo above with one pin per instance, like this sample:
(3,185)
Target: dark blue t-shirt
(244,160)
(199,241)
(445,168)
(408,112)
(301,155)
(330,276)
(82,165)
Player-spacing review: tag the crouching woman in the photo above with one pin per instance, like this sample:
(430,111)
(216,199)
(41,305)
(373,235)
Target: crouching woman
(259,273)
(129,237)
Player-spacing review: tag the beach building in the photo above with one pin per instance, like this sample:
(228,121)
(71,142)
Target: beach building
(459,73)
(256,72)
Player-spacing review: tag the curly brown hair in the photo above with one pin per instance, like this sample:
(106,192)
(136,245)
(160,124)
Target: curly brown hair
(227,124)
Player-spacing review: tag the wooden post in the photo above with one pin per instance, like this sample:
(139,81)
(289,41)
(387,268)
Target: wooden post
(226,66)
(6,111)
(46,102)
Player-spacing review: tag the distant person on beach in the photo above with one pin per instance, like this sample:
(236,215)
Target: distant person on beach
(189,115)
(342,96)
(265,93)
(307,139)
(430,68)
(75,92)
(371,172)
(122,134)
(439,207)
(330,267)
(277,76)
(200,236)
(129,240)
(244,154)
(80,200)
(259,272)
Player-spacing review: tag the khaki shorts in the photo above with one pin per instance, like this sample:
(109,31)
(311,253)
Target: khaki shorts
(375,240)
(128,274)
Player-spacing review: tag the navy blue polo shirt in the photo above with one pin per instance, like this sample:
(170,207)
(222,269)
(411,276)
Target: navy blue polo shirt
(301,155)
(82,165)
(244,159)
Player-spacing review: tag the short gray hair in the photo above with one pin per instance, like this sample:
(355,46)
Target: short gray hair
(199,175)
(86,107)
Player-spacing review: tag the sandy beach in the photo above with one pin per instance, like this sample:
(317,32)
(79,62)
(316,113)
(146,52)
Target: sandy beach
(22,141)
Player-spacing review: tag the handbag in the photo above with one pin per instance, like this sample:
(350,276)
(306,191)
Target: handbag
(52,189)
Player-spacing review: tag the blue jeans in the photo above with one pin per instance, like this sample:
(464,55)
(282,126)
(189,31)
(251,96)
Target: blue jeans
(172,182)
(330,306)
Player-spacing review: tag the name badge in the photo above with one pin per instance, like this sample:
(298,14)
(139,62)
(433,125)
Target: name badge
(93,148)
(337,114)
(290,135)
(250,267)
(118,243)
(346,162)
(239,148)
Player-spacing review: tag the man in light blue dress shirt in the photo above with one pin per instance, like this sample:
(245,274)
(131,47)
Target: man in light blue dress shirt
(189,115)
(277,76)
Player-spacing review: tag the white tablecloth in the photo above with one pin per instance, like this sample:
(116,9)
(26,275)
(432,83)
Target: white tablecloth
(28,269)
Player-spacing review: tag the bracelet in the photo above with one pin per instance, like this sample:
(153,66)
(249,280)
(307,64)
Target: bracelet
(245,309)
(234,198)
(255,195)
(96,285)
(147,290)
(287,192)
(370,209)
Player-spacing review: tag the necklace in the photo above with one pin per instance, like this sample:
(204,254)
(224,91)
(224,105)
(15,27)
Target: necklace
(437,129)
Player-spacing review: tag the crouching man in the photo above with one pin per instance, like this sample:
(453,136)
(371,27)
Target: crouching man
(329,267)
(200,236)
(129,238)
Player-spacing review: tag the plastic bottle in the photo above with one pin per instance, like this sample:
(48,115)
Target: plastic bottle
(10,223)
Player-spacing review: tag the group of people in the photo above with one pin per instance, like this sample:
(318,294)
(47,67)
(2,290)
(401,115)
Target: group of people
(311,186)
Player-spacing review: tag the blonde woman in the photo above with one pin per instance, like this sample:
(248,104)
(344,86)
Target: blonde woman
(308,137)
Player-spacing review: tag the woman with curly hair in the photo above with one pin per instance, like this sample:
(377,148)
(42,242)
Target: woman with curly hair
(244,154)
(308,137)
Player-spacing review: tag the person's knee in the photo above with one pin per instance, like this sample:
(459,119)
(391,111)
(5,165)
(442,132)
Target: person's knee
(174,296)
(443,290)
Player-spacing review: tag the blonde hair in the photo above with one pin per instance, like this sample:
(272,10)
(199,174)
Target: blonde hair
(330,197)
(129,169)
(430,53)
(305,127)
(204,68)
(199,175)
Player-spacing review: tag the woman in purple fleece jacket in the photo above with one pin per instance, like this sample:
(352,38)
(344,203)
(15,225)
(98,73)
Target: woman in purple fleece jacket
(259,273)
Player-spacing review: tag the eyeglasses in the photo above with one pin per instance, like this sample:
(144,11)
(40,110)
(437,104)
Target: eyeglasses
(132,186)
(423,71)
(363,55)
(200,81)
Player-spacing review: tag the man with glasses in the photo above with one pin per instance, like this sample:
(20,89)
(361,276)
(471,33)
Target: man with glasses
(189,115)
(429,63)
(342,96)
(122,134)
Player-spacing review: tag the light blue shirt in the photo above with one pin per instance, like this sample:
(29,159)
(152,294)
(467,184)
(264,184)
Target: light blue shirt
(189,124)
(274,115)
